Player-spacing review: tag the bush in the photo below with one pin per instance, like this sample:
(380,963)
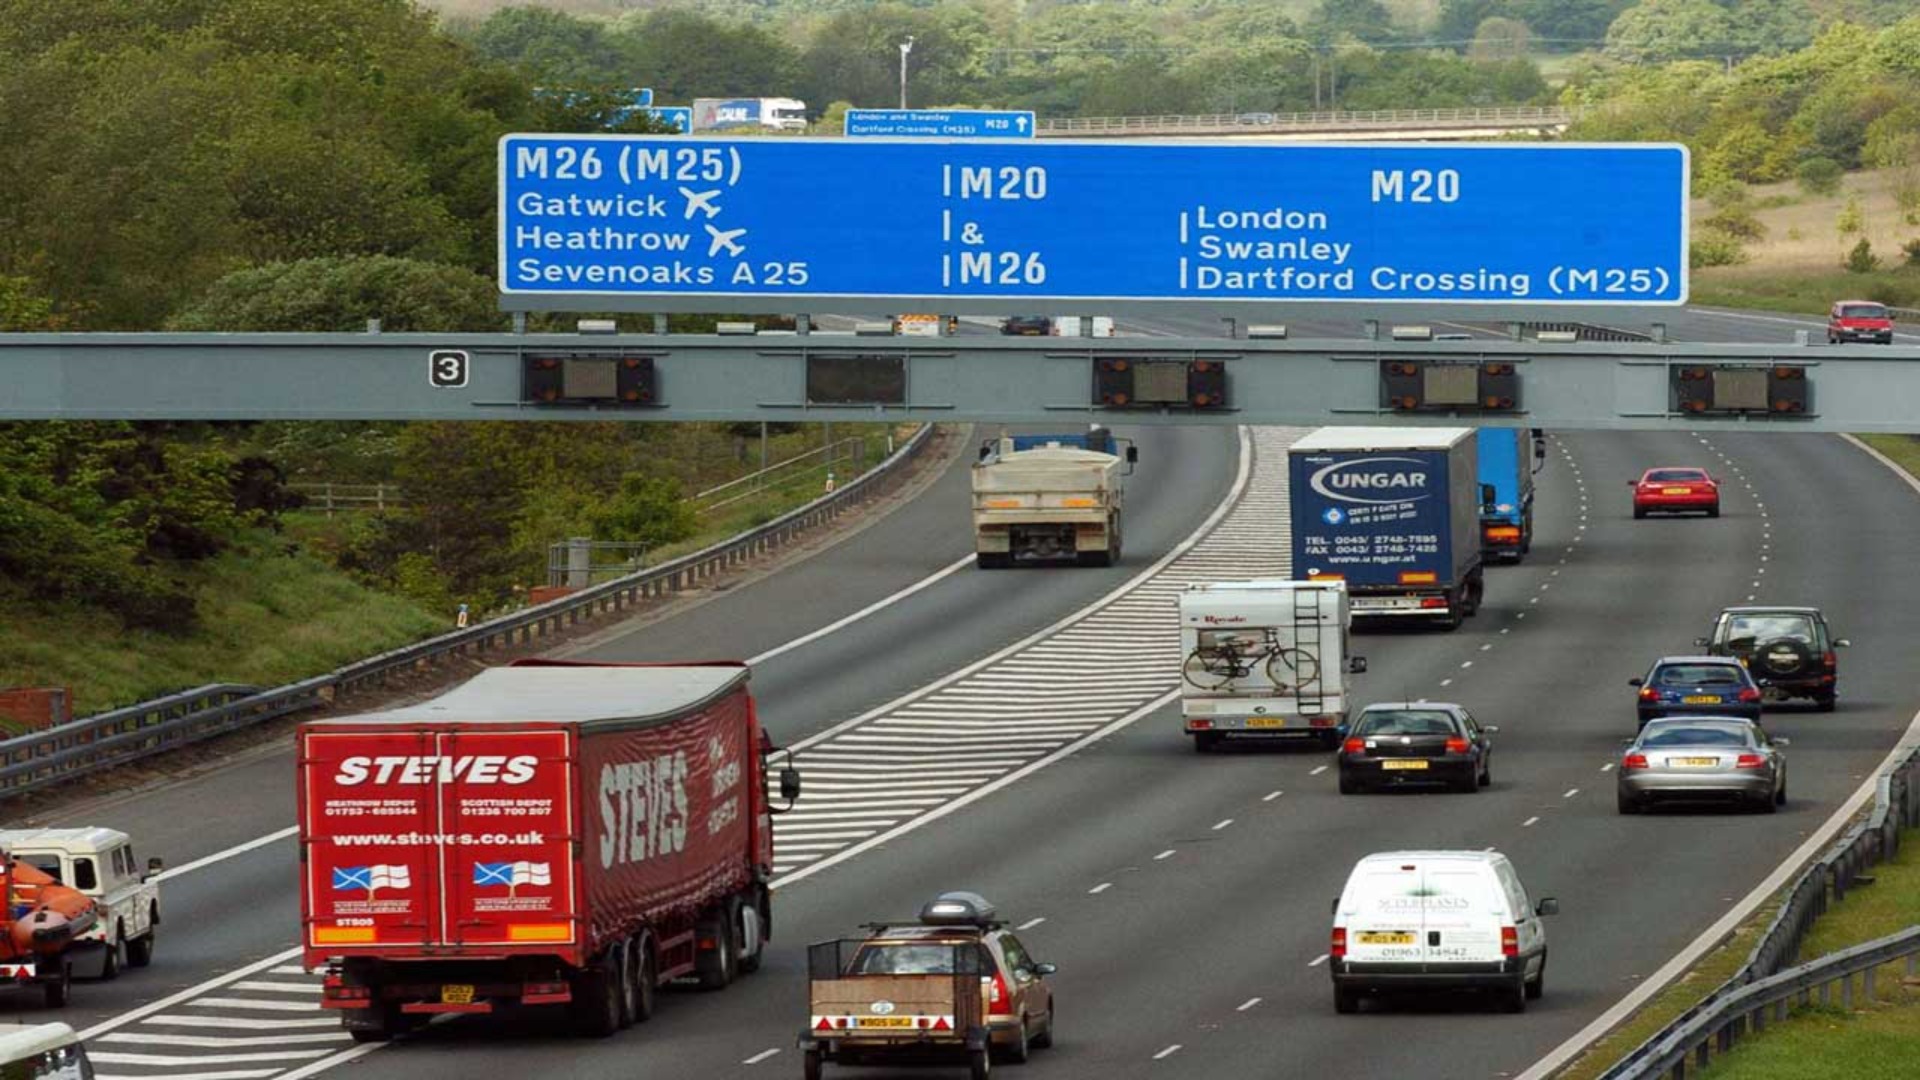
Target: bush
(1819,176)
(1912,250)
(1715,249)
(1862,260)
(1736,221)
(1852,219)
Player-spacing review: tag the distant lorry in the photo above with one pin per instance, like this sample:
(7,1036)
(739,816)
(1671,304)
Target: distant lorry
(1509,457)
(546,833)
(1265,659)
(1041,497)
(766,114)
(1395,513)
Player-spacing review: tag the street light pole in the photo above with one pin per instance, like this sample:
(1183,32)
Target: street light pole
(905,48)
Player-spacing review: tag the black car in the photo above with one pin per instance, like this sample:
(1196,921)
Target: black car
(1416,742)
(1027,325)
(1789,650)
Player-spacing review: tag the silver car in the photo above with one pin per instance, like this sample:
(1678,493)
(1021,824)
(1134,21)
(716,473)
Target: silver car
(1703,758)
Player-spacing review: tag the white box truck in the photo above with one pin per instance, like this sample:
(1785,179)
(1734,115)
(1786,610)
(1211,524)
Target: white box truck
(1265,659)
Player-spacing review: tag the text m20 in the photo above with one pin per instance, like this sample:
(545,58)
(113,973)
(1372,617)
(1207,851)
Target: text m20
(1416,185)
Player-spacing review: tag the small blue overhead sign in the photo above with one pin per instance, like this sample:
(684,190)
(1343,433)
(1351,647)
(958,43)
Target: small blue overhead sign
(939,124)
(679,116)
(691,219)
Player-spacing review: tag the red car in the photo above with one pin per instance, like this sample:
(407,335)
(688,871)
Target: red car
(1859,320)
(1675,490)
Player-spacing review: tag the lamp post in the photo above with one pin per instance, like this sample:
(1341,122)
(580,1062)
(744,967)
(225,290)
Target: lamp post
(905,48)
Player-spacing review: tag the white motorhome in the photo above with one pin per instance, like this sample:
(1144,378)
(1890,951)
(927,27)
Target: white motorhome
(1265,659)
(1438,920)
(42,1052)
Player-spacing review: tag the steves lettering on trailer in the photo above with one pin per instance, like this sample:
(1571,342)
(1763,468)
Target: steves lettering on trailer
(644,216)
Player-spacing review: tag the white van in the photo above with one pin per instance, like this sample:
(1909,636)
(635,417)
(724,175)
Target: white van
(42,1052)
(1438,920)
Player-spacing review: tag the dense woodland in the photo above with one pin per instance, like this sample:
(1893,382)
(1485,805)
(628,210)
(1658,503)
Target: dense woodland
(310,164)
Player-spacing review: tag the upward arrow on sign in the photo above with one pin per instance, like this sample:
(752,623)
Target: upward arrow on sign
(1021,122)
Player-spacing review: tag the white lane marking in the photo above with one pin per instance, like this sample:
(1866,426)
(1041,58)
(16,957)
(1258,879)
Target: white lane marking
(1571,792)
(1031,923)
(114,1057)
(243,1023)
(189,993)
(1713,935)
(1318,770)
(1100,888)
(1221,824)
(1318,960)
(1529,822)
(222,1042)
(1488,647)
(218,1074)
(1271,795)
(1608,767)
(1247,1004)
(222,856)
(1446,682)
(1167,854)
(1506,629)
(761,1056)
(256,1004)
(278,987)
(1466,664)
(1168,1052)
(322,1065)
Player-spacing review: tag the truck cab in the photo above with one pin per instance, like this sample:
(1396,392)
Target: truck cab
(100,863)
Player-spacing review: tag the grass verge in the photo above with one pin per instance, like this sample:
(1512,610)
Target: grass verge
(1904,450)
(1807,292)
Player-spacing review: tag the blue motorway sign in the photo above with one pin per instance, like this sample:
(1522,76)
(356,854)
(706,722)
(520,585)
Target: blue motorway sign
(680,116)
(939,123)
(1506,223)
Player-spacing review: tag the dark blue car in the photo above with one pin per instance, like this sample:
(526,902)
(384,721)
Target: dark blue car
(1697,686)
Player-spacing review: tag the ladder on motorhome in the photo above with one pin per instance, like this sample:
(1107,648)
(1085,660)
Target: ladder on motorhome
(1306,639)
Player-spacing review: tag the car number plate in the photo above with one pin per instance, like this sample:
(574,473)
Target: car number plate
(1266,721)
(456,994)
(1403,764)
(1385,937)
(1676,491)
(1701,699)
(1697,761)
(884,1021)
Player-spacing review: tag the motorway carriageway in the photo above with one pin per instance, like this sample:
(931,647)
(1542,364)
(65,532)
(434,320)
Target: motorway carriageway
(1184,897)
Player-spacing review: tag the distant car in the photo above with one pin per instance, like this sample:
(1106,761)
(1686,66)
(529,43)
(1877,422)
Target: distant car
(1255,118)
(1438,920)
(1703,758)
(1675,490)
(1789,650)
(1859,320)
(1027,325)
(1697,686)
(1453,337)
(1412,743)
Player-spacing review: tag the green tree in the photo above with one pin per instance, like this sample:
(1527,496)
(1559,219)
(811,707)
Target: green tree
(1819,176)
(683,54)
(1852,218)
(1654,30)
(341,294)
(558,50)
(646,509)
(1362,20)
(1861,259)
(1500,38)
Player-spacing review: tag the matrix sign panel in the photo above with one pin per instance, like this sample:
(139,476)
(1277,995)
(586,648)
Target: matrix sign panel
(642,216)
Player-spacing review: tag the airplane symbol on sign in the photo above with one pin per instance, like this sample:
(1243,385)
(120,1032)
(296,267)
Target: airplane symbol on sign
(724,239)
(701,200)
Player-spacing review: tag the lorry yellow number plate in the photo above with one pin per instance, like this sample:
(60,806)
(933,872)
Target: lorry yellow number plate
(1379,937)
(1412,764)
(1266,721)
(1700,699)
(456,994)
(884,1021)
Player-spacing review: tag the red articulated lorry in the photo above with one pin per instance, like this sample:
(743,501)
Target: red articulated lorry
(546,833)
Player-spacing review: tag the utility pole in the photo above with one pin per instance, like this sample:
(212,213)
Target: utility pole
(905,48)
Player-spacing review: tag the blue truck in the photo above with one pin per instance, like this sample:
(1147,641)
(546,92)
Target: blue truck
(1394,513)
(1509,456)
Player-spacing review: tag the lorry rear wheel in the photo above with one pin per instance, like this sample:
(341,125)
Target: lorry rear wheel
(645,988)
(992,560)
(60,988)
(596,999)
(1205,742)
(753,946)
(629,987)
(721,965)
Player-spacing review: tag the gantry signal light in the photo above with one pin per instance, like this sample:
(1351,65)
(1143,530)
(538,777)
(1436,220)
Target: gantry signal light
(1449,386)
(1723,389)
(616,381)
(1125,382)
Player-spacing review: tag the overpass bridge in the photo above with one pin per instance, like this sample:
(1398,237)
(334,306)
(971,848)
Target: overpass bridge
(1329,125)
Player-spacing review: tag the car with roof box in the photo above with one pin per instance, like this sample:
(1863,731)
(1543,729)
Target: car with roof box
(1791,651)
(1697,686)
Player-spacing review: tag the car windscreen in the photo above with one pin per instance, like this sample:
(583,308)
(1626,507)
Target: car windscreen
(1698,675)
(47,864)
(1405,722)
(906,958)
(1863,311)
(1676,476)
(1694,735)
(1754,629)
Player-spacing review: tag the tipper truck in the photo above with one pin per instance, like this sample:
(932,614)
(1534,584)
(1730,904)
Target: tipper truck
(1265,659)
(1394,513)
(572,835)
(1508,459)
(1041,497)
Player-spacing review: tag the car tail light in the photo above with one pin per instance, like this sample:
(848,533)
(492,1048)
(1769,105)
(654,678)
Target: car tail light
(1750,761)
(999,1002)
(1749,694)
(1338,949)
(1648,693)
(1509,941)
(1456,745)
(1633,761)
(1830,659)
(1354,746)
